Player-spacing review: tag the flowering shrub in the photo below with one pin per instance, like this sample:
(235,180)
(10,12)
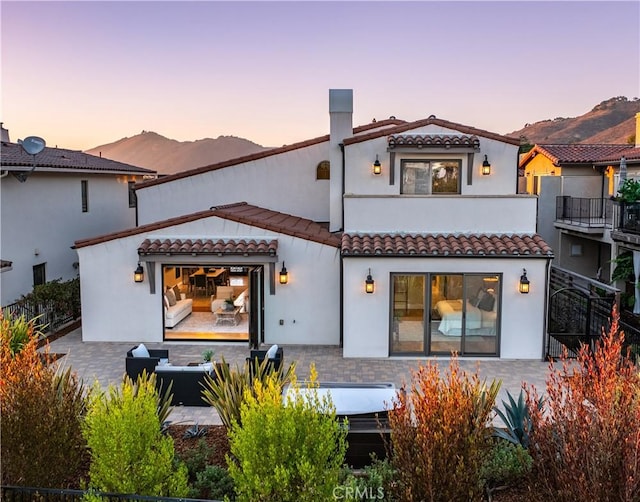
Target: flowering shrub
(129,453)
(440,435)
(286,450)
(585,441)
(42,411)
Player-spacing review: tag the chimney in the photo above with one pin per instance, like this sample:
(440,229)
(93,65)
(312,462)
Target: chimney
(340,127)
(638,130)
(5,134)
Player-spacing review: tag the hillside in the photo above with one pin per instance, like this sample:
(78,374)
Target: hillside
(612,121)
(168,156)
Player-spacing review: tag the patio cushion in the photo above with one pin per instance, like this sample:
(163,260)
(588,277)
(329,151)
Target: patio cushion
(271,353)
(140,351)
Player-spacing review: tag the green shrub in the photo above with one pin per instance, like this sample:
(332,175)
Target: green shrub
(226,391)
(42,411)
(516,419)
(129,453)
(507,463)
(440,435)
(215,483)
(374,483)
(286,450)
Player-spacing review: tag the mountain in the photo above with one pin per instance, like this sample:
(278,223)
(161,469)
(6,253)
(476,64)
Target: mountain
(612,121)
(167,156)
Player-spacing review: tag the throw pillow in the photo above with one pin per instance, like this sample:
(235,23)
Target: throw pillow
(166,302)
(140,351)
(486,303)
(176,291)
(271,353)
(171,296)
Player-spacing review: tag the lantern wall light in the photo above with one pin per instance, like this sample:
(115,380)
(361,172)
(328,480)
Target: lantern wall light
(369,283)
(138,274)
(486,167)
(523,287)
(284,275)
(377,167)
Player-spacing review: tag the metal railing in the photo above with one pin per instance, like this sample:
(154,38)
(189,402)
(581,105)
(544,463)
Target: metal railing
(27,494)
(586,212)
(47,318)
(629,220)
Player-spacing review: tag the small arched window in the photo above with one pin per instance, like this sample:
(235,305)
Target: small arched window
(323,171)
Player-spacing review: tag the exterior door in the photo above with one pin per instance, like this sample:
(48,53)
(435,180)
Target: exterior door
(256,308)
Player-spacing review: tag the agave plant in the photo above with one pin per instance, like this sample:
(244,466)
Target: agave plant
(225,390)
(516,419)
(195,432)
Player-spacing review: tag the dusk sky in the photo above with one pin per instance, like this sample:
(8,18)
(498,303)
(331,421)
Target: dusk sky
(81,74)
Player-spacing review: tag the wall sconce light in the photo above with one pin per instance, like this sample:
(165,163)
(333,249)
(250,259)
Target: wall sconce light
(284,275)
(377,167)
(369,284)
(486,167)
(138,274)
(524,283)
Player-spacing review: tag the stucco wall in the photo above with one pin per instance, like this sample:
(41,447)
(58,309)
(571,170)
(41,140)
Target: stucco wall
(285,182)
(45,214)
(366,320)
(114,308)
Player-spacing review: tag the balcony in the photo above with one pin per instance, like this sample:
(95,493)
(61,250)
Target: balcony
(627,227)
(584,215)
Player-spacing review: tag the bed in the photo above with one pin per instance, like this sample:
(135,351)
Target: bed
(478,321)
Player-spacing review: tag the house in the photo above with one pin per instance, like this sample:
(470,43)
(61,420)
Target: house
(390,239)
(51,199)
(575,209)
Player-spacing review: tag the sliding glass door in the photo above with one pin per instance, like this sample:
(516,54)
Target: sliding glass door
(455,313)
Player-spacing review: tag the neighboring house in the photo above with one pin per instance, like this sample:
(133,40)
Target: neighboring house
(69,195)
(575,210)
(392,239)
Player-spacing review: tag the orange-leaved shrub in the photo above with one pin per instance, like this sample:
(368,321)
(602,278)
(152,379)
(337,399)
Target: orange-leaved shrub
(585,441)
(42,410)
(440,434)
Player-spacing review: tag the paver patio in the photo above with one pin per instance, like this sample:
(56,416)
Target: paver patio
(106,363)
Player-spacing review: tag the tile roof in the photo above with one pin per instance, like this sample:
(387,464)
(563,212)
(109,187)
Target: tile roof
(433,140)
(574,153)
(407,126)
(632,153)
(381,124)
(439,245)
(13,155)
(242,213)
(209,246)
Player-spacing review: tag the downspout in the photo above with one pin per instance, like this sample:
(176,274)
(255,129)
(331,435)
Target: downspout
(341,145)
(546,309)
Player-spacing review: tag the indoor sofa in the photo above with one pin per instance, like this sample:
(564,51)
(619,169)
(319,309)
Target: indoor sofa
(175,310)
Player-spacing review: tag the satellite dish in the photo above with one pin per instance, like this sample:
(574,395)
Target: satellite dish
(33,145)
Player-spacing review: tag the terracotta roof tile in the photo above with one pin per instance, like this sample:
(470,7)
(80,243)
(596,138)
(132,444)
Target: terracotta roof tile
(407,126)
(209,246)
(264,154)
(575,153)
(630,154)
(440,245)
(433,140)
(13,155)
(242,213)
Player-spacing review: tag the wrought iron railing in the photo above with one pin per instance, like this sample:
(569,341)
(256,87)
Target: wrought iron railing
(25,494)
(48,319)
(587,212)
(629,220)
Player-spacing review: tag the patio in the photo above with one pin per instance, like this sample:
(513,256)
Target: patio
(105,361)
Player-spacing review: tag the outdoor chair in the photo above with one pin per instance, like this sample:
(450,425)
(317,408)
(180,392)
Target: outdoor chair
(275,355)
(135,365)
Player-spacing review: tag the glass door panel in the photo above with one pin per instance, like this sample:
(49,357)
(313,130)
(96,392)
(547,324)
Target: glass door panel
(447,313)
(408,322)
(481,327)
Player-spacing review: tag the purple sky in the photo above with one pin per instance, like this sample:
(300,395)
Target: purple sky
(82,74)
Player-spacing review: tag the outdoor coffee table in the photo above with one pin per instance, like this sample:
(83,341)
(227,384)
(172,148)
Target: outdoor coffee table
(229,317)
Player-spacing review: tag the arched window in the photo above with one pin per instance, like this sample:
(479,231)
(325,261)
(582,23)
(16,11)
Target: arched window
(323,171)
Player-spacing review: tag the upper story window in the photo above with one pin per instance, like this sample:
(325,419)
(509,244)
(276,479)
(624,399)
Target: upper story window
(323,171)
(426,177)
(84,188)
(133,200)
